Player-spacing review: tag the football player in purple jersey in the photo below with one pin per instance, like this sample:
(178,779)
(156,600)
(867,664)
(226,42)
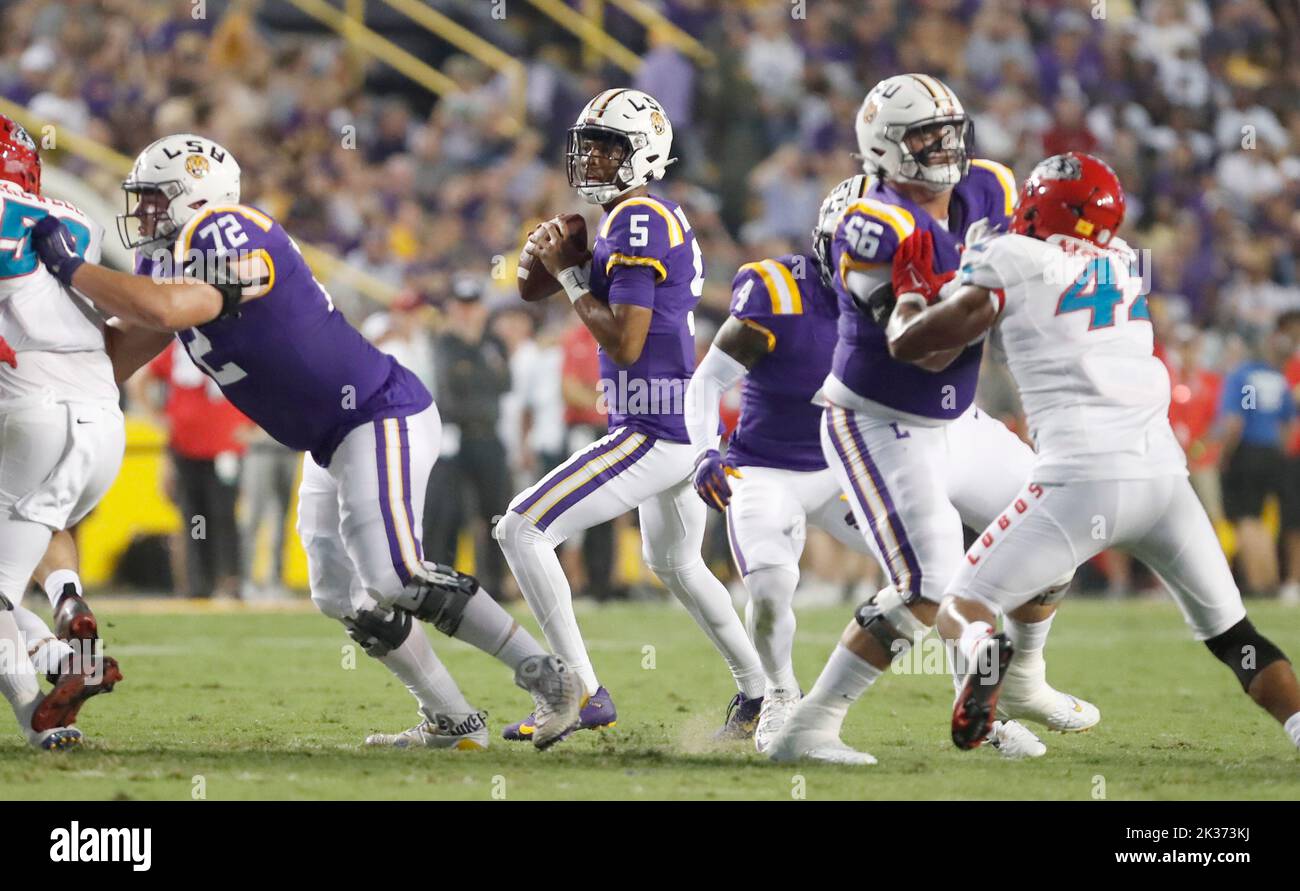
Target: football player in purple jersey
(636,297)
(774,481)
(232,286)
(914,455)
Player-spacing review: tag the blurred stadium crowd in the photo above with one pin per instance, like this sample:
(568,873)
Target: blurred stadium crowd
(1196,104)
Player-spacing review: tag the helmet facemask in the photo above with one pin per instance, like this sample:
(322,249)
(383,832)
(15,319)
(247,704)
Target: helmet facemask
(148,219)
(599,161)
(828,220)
(936,153)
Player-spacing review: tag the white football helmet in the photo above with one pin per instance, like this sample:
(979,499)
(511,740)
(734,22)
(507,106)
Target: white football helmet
(828,220)
(172,180)
(912,128)
(623,127)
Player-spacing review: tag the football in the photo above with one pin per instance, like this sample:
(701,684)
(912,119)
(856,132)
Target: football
(535,283)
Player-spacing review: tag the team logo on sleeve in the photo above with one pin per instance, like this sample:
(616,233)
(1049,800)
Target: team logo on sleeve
(197,166)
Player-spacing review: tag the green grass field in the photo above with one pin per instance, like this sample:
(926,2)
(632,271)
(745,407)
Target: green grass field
(258,705)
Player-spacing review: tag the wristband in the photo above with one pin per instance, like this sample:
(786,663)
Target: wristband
(574,280)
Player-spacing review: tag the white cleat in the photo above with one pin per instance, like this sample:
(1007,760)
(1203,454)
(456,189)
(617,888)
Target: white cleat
(826,747)
(1055,710)
(1014,741)
(464,732)
(807,736)
(557,696)
(57,739)
(778,705)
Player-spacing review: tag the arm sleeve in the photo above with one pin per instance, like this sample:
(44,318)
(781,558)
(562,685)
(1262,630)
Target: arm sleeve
(996,264)
(633,285)
(717,373)
(244,232)
(640,233)
(998,183)
(866,239)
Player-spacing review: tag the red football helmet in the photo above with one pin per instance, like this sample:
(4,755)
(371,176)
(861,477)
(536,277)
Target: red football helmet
(1072,194)
(19,162)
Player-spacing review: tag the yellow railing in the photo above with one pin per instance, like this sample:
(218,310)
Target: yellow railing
(653,20)
(324,264)
(472,45)
(377,46)
(592,34)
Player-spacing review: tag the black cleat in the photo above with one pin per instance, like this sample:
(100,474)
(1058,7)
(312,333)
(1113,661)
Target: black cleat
(73,618)
(71,690)
(976,707)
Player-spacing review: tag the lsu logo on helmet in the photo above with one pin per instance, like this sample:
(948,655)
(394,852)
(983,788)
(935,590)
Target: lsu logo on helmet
(197,166)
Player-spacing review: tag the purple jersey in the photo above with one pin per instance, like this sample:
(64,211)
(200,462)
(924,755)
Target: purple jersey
(866,238)
(651,236)
(289,360)
(786,299)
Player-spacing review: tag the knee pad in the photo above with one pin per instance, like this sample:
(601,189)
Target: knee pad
(439,596)
(887,618)
(1055,592)
(505,525)
(378,633)
(513,529)
(1245,651)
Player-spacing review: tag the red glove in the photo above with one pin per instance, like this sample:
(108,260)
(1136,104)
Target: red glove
(913,270)
(7,353)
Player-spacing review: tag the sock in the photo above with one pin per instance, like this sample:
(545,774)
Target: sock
(486,625)
(1292,727)
(531,556)
(709,604)
(968,644)
(54,582)
(771,623)
(419,668)
(45,650)
(1028,637)
(1028,670)
(17,677)
(845,678)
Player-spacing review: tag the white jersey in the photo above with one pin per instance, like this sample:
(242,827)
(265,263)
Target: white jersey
(57,334)
(1076,331)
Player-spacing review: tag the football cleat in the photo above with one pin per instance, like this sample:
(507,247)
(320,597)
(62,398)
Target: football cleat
(1057,711)
(973,713)
(807,736)
(810,745)
(73,617)
(557,693)
(58,739)
(1015,741)
(742,718)
(597,711)
(463,732)
(71,690)
(778,704)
